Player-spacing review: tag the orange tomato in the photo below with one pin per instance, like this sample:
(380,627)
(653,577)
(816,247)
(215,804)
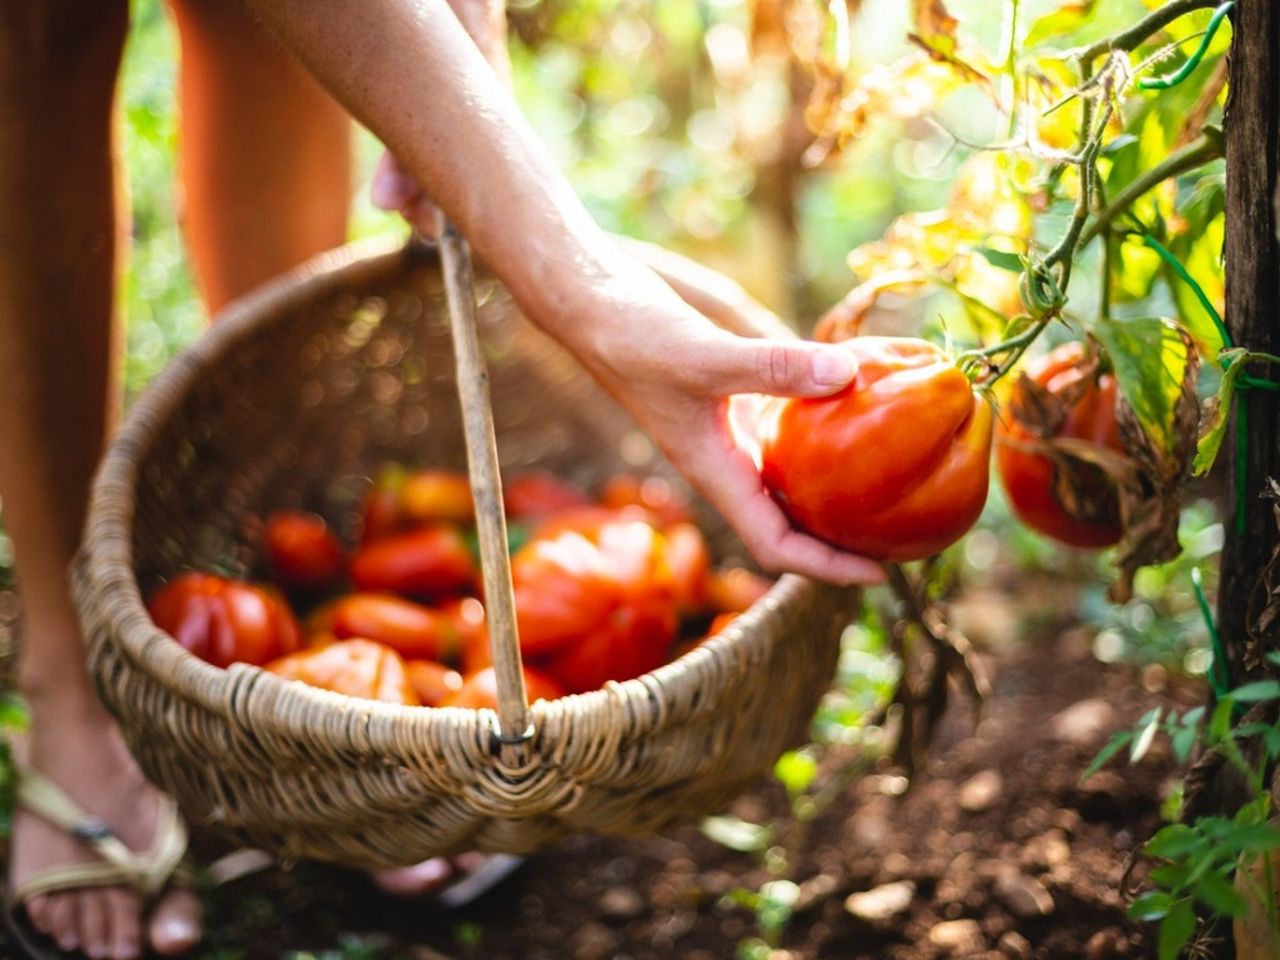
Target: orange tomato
(481,689)
(431,496)
(735,590)
(358,668)
(407,627)
(434,683)
(654,494)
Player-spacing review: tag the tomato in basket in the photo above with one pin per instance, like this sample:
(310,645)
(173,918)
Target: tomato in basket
(302,551)
(481,689)
(434,683)
(430,562)
(537,494)
(225,621)
(358,668)
(409,628)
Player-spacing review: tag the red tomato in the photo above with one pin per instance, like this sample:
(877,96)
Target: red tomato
(690,561)
(381,514)
(893,467)
(655,494)
(406,627)
(1028,477)
(302,551)
(735,590)
(536,495)
(434,683)
(596,608)
(481,689)
(465,617)
(433,561)
(225,621)
(358,668)
(434,496)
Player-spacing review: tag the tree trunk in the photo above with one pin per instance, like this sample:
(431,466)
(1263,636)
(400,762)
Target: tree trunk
(1253,301)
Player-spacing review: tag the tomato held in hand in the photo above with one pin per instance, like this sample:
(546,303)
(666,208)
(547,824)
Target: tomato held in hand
(434,683)
(893,467)
(358,668)
(431,562)
(481,689)
(302,552)
(406,627)
(225,621)
(1028,477)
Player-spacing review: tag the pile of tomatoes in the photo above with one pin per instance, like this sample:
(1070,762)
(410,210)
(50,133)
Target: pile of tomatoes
(606,588)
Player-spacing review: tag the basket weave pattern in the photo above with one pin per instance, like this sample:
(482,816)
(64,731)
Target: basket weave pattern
(294,400)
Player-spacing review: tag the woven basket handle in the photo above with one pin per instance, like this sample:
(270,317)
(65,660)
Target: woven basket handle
(486,488)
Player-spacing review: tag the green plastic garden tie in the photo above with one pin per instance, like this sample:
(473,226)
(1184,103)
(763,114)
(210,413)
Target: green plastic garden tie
(1193,61)
(1217,682)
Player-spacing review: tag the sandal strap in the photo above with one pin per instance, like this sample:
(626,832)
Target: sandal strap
(147,872)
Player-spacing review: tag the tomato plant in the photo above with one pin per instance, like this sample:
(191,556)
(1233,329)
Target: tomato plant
(225,621)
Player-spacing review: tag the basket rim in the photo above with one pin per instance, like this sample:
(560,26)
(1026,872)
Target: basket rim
(104,566)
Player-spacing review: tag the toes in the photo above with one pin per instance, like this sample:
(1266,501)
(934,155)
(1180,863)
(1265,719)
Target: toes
(124,913)
(91,926)
(175,923)
(38,913)
(417,880)
(62,921)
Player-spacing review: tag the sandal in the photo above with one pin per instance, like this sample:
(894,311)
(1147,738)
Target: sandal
(148,872)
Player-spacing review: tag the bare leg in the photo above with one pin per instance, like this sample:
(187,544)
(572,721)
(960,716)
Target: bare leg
(58,242)
(265,155)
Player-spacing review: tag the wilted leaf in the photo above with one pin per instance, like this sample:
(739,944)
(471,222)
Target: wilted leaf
(844,320)
(1214,420)
(1155,366)
(1146,735)
(932,19)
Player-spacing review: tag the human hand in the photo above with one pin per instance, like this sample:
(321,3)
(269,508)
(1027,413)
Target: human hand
(675,371)
(393,189)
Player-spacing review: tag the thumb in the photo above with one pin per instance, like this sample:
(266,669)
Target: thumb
(784,368)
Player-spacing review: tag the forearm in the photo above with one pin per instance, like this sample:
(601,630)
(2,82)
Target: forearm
(407,69)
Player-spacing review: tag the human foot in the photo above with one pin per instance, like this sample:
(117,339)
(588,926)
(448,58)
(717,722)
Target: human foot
(76,745)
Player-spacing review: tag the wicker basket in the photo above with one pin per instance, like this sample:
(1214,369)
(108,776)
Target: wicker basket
(294,399)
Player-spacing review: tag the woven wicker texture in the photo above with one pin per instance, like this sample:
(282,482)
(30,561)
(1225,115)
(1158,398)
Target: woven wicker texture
(293,400)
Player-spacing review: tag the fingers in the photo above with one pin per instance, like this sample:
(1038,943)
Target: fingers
(729,479)
(394,190)
(175,923)
(780,368)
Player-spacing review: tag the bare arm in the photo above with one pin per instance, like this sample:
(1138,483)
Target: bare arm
(407,69)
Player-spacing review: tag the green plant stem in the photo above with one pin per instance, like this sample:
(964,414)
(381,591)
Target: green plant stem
(1176,266)
(1010,62)
(1151,24)
(1200,151)
(1217,681)
(1193,61)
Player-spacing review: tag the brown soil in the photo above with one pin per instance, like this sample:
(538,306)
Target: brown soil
(1033,868)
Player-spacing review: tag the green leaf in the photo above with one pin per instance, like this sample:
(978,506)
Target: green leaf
(1213,426)
(1002,259)
(1173,841)
(738,834)
(1053,26)
(1151,905)
(1179,923)
(1220,896)
(1150,359)
(796,770)
(1146,733)
(1116,744)
(1258,691)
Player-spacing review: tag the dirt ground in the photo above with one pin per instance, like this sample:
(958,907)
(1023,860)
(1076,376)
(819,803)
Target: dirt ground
(996,851)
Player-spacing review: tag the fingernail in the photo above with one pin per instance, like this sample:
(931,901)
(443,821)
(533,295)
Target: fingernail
(834,368)
(175,932)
